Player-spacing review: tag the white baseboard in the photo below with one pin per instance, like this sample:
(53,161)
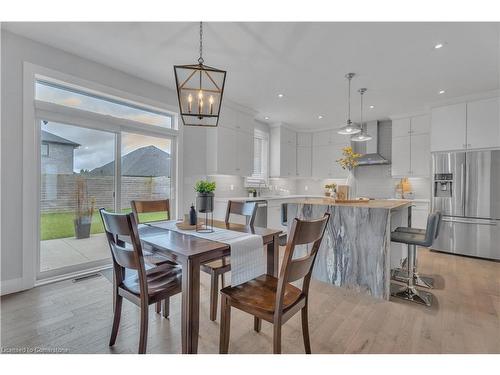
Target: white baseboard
(12,286)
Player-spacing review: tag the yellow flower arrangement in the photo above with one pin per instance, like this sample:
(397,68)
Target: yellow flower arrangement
(350,159)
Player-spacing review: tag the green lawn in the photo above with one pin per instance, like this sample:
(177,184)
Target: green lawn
(60,224)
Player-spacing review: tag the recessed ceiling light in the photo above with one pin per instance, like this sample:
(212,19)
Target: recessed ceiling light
(266,118)
(441,92)
(439,45)
(372,106)
(320,117)
(280,95)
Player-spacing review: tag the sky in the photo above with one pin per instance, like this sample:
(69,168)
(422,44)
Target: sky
(97,146)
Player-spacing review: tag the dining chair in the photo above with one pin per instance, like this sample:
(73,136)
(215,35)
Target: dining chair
(273,299)
(148,207)
(221,266)
(144,287)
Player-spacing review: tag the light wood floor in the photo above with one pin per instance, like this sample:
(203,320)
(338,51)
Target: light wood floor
(465,318)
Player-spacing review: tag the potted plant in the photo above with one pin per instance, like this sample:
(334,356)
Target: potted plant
(84,209)
(330,190)
(252,192)
(205,197)
(349,161)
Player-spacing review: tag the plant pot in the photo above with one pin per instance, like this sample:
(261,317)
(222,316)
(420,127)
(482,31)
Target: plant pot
(82,227)
(205,202)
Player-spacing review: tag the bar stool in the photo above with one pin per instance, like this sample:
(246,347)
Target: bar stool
(410,292)
(401,274)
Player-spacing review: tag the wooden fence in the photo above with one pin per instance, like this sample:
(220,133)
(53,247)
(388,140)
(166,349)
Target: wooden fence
(58,190)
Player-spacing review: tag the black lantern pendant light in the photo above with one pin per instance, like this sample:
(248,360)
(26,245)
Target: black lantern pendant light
(350,127)
(362,136)
(199,90)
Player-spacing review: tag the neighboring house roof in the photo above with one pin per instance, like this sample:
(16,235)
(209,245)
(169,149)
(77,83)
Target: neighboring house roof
(147,161)
(52,138)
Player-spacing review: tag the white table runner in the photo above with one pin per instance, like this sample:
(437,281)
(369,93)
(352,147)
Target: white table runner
(248,257)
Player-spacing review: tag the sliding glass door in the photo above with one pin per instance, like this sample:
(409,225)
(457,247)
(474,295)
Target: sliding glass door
(145,171)
(71,191)
(95,150)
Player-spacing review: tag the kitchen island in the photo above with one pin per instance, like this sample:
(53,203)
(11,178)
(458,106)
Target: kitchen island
(356,249)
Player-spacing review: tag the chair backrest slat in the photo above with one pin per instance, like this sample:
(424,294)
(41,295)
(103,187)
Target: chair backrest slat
(142,207)
(299,268)
(248,209)
(302,233)
(115,225)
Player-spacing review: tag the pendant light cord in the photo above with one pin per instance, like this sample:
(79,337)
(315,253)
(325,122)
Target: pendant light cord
(200,59)
(361,116)
(349,101)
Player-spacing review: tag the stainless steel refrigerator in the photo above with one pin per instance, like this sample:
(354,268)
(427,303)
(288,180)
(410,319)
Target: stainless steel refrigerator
(466,188)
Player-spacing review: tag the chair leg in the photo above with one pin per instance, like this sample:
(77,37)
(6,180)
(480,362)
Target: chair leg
(158,307)
(143,340)
(257,324)
(166,307)
(222,279)
(117,307)
(225,325)
(305,330)
(277,337)
(214,293)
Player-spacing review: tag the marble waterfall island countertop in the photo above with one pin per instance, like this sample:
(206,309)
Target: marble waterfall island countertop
(355,251)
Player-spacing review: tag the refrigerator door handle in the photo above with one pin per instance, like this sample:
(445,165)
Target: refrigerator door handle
(471,221)
(463,193)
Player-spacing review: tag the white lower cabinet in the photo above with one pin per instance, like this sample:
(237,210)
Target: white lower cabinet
(274,214)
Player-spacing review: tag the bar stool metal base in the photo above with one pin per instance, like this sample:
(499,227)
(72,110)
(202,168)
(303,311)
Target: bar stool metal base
(401,275)
(410,293)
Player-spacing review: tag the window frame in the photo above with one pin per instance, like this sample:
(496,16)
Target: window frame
(264,157)
(33,111)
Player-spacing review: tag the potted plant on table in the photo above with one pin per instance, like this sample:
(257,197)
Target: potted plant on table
(205,197)
(349,161)
(84,209)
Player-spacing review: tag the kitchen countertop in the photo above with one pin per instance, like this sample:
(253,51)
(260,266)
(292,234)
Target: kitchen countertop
(266,198)
(303,196)
(322,200)
(389,204)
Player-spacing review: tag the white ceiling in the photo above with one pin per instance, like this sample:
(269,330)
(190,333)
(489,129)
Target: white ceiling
(304,61)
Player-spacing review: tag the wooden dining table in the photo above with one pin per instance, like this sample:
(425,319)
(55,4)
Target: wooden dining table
(191,252)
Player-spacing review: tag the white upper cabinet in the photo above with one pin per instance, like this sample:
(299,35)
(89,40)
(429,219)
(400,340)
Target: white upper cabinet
(304,154)
(411,147)
(483,123)
(283,152)
(401,127)
(230,145)
(304,139)
(448,127)
(420,155)
(420,125)
(401,156)
(322,138)
(466,126)
(304,161)
(244,153)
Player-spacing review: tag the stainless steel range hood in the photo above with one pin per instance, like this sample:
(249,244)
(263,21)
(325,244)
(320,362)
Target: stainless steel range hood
(369,149)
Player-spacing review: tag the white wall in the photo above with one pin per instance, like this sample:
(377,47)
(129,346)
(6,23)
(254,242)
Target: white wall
(14,51)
